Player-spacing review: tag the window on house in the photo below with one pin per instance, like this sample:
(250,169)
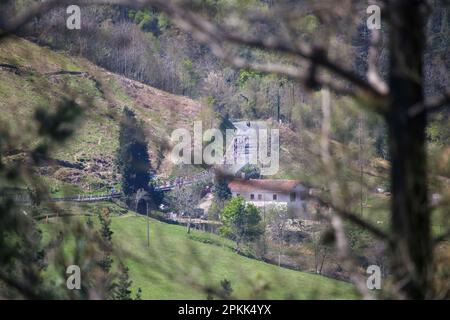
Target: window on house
(259,196)
(274,197)
(238,194)
(292,196)
(252,197)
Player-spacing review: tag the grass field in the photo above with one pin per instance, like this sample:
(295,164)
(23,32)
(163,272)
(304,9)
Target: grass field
(180,266)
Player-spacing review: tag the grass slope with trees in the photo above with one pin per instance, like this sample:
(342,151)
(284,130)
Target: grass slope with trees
(36,78)
(33,77)
(186,266)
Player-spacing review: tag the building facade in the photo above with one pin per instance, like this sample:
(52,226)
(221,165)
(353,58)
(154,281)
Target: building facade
(266,192)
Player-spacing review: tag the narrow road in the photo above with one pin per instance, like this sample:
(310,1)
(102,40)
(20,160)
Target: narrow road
(162,186)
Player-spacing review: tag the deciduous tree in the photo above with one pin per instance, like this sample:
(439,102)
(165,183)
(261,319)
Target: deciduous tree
(241,221)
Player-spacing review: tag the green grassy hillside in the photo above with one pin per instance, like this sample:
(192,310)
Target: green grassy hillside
(178,265)
(34,77)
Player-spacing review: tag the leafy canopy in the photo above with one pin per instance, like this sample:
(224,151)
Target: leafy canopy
(241,220)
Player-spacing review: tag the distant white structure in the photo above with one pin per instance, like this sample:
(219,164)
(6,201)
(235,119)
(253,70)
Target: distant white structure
(267,192)
(244,143)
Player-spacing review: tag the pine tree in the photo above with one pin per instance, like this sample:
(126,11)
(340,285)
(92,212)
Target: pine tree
(226,288)
(105,223)
(133,157)
(123,287)
(250,171)
(221,190)
(138,294)
(106,234)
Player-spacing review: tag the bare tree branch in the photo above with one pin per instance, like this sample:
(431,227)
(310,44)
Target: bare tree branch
(343,251)
(341,240)
(434,104)
(355,219)
(24,289)
(210,33)
(12,25)
(373,75)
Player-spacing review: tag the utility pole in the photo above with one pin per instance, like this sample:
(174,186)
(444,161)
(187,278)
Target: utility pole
(264,223)
(278,105)
(279,102)
(361,164)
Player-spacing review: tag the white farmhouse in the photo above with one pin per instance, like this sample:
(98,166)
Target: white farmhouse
(266,192)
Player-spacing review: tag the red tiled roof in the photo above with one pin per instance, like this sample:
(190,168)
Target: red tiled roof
(263,184)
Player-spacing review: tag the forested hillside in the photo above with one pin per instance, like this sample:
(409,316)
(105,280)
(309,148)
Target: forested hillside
(34,77)
(146,46)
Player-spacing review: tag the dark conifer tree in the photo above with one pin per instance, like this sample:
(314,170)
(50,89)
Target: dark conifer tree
(133,157)
(123,287)
(106,245)
(221,189)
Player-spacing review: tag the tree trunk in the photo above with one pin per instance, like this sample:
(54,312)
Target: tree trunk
(324,256)
(189,225)
(238,246)
(279,255)
(410,220)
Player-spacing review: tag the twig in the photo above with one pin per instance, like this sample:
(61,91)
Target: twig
(373,76)
(20,287)
(343,250)
(215,36)
(342,246)
(435,104)
(355,219)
